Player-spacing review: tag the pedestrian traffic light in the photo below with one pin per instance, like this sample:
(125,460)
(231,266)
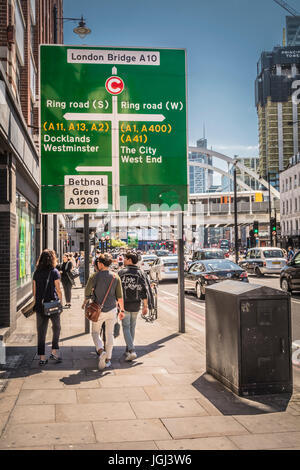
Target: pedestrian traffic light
(255,227)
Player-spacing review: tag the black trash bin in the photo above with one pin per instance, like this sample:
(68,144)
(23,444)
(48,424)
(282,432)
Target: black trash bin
(248,338)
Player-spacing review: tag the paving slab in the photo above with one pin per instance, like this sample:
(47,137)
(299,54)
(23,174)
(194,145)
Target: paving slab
(204,426)
(173,379)
(132,430)
(204,443)
(31,414)
(37,382)
(268,423)
(140,445)
(111,395)
(167,409)
(94,412)
(3,421)
(120,381)
(29,448)
(141,370)
(46,397)
(30,435)
(172,392)
(6,403)
(13,387)
(268,441)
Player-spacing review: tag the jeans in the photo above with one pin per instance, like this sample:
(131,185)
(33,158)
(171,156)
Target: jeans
(128,324)
(42,326)
(81,276)
(110,319)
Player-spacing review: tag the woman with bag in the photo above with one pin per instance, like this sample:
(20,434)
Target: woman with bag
(105,288)
(46,288)
(66,279)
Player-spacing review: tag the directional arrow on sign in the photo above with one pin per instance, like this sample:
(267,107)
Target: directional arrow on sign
(110,117)
(115,118)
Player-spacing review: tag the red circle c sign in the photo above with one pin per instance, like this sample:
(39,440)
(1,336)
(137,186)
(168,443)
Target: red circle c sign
(114,85)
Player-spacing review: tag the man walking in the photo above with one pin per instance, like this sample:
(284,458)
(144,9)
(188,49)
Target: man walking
(134,286)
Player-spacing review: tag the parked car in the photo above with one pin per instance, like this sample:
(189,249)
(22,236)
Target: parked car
(162,253)
(147,261)
(208,253)
(290,275)
(204,273)
(165,267)
(264,260)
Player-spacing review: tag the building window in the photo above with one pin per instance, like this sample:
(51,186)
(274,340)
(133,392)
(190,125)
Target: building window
(291,206)
(18,76)
(286,185)
(31,117)
(283,208)
(290,182)
(32,31)
(287,227)
(296,209)
(26,241)
(19,31)
(283,227)
(32,78)
(32,10)
(296,225)
(295,181)
(287,207)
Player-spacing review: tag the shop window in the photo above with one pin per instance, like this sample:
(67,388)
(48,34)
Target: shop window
(25,241)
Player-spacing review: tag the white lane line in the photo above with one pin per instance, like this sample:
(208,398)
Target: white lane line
(165,292)
(194,303)
(197,305)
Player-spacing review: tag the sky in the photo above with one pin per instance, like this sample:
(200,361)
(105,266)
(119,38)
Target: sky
(223,39)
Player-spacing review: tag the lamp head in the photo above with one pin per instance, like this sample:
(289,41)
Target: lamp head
(81,29)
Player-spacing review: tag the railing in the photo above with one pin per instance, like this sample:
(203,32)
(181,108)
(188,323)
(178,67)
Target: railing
(242,207)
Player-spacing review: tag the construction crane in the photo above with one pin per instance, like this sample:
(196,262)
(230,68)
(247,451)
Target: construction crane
(293,12)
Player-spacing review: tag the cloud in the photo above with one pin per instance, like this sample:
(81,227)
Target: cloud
(240,150)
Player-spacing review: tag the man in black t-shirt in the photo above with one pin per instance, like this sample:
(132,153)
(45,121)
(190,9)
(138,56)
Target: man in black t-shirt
(134,291)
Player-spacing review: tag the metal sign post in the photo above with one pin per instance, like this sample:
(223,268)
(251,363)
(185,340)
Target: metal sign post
(86,262)
(180,252)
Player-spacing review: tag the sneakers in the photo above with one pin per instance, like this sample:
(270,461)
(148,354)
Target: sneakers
(57,359)
(108,364)
(130,356)
(102,361)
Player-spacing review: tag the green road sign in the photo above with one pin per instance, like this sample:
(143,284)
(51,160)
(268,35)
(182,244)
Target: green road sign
(113,128)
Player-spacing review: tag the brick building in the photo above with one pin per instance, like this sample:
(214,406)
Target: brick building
(24,24)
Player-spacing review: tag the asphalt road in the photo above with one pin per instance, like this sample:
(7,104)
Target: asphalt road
(195,314)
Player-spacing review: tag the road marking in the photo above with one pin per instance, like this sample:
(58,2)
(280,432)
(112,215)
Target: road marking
(165,292)
(198,305)
(194,303)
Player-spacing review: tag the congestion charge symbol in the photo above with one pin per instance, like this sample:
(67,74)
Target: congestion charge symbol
(114,85)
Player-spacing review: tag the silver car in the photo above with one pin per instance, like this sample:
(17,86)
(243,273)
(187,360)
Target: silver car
(147,261)
(165,267)
(264,260)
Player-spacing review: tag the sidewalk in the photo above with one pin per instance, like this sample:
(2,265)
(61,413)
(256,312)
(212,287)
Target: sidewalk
(163,400)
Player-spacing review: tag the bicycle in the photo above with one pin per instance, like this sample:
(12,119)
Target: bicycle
(153,309)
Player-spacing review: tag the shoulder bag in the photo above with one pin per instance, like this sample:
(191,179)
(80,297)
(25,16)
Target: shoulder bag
(93,309)
(52,307)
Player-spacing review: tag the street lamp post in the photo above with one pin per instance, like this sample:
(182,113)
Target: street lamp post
(236,241)
(270,210)
(81,29)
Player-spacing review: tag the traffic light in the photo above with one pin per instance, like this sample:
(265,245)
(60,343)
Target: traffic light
(273,225)
(255,227)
